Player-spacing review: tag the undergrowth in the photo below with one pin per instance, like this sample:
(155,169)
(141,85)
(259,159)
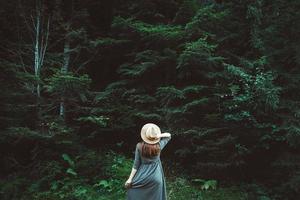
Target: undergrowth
(94,176)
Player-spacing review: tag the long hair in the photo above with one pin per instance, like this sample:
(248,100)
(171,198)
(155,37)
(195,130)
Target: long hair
(149,150)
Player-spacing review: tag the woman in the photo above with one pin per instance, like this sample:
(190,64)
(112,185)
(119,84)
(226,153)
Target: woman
(146,180)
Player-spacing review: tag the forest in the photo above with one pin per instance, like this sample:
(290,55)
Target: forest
(79,78)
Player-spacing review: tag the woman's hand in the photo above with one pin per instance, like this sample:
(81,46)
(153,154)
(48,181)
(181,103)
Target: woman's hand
(129,180)
(128,183)
(165,135)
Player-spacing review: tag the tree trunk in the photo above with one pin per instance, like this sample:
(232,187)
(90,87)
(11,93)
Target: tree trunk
(37,51)
(64,69)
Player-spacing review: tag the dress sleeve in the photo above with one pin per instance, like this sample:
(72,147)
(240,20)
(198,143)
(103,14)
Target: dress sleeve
(137,158)
(164,141)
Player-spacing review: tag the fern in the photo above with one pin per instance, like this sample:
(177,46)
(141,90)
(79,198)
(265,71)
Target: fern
(149,31)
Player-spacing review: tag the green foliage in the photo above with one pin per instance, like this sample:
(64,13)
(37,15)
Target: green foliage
(68,84)
(186,11)
(168,94)
(257,191)
(100,176)
(24,132)
(149,31)
(207,184)
(144,62)
(198,53)
(107,42)
(98,120)
(57,127)
(222,76)
(71,163)
(208,22)
(258,90)
(180,188)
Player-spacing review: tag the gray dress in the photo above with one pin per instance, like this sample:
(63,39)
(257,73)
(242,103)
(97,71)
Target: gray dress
(149,181)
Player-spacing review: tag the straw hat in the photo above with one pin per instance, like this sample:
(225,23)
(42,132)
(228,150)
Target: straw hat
(150,133)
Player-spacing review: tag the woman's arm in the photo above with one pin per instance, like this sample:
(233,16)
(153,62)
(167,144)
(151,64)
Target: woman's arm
(136,165)
(165,135)
(128,182)
(165,138)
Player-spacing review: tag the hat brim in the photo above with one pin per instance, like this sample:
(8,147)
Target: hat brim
(147,140)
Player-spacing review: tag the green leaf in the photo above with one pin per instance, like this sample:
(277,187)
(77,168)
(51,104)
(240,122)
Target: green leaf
(67,158)
(71,171)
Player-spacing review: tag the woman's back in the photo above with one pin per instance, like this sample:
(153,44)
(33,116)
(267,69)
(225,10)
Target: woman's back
(162,143)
